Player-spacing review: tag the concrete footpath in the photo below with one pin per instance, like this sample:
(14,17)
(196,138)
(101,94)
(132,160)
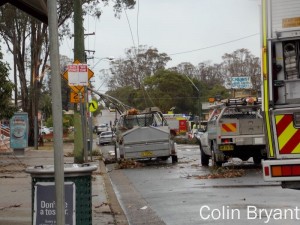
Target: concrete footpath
(16,187)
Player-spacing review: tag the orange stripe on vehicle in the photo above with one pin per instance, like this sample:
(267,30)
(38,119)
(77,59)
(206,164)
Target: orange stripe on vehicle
(288,135)
(229,127)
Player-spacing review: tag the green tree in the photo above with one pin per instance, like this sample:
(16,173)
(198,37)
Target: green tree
(136,66)
(242,63)
(6,106)
(167,89)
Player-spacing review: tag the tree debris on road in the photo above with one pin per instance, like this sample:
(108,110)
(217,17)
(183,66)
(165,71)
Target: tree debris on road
(223,173)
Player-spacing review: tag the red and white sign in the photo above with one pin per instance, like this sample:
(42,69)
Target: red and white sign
(78,75)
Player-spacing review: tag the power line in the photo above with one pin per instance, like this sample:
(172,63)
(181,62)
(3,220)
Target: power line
(129,27)
(212,46)
(137,23)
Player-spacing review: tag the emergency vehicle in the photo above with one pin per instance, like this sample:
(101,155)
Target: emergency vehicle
(281,90)
(234,129)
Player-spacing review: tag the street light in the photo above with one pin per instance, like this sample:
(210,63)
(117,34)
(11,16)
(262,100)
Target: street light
(199,95)
(111,58)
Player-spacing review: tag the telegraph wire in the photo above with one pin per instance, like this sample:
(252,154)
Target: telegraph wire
(137,23)
(129,27)
(212,46)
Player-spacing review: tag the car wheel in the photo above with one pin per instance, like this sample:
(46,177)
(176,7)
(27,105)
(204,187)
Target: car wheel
(214,161)
(116,156)
(204,157)
(174,159)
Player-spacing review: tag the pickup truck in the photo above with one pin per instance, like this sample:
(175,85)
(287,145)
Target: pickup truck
(234,129)
(144,135)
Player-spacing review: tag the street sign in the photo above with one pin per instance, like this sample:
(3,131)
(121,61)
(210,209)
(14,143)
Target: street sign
(75,97)
(93,106)
(240,83)
(78,75)
(77,88)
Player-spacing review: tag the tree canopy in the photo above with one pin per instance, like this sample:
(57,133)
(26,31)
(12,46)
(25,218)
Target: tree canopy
(144,81)
(6,106)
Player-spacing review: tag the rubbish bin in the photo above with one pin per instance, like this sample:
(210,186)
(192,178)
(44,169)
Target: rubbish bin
(78,175)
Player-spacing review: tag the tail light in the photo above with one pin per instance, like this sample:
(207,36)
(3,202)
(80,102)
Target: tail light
(226,140)
(285,170)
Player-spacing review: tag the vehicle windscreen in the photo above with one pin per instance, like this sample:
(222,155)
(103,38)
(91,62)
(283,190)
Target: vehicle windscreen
(142,120)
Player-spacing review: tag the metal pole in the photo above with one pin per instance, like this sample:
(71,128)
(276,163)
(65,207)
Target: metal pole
(36,132)
(57,114)
(84,125)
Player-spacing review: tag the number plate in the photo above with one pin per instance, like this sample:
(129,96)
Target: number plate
(226,147)
(147,154)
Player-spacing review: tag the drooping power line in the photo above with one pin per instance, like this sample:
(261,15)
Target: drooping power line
(212,46)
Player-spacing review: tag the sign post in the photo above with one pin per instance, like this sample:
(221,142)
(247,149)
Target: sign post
(78,76)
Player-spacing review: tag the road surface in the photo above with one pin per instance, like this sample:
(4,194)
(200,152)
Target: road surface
(175,194)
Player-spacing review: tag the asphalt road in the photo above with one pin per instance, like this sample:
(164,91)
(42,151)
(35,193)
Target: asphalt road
(163,193)
(175,194)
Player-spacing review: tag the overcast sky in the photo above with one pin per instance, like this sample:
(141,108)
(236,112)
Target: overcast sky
(176,26)
(198,27)
(187,30)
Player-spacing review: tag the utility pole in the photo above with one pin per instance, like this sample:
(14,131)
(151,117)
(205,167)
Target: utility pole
(57,115)
(79,54)
(199,96)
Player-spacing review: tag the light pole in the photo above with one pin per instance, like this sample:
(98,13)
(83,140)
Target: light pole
(199,95)
(111,58)
(90,120)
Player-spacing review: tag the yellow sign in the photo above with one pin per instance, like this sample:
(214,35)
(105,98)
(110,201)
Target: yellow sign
(291,22)
(75,97)
(93,106)
(78,88)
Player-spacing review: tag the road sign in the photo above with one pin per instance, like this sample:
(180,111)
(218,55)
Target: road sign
(93,106)
(75,97)
(77,88)
(78,75)
(240,83)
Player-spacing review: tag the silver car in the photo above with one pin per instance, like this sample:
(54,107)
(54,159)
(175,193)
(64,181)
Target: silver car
(101,128)
(106,137)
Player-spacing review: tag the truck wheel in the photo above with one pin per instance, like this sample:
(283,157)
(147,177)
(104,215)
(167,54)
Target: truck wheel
(174,159)
(204,157)
(214,161)
(116,156)
(164,158)
(257,160)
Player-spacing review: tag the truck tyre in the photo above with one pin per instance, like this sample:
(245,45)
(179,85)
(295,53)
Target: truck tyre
(214,161)
(174,159)
(257,160)
(116,156)
(204,157)
(164,158)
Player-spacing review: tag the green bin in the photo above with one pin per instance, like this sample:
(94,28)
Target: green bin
(78,174)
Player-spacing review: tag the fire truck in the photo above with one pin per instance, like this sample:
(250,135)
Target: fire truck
(281,90)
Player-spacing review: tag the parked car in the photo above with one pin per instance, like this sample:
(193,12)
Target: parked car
(45,130)
(106,137)
(100,128)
